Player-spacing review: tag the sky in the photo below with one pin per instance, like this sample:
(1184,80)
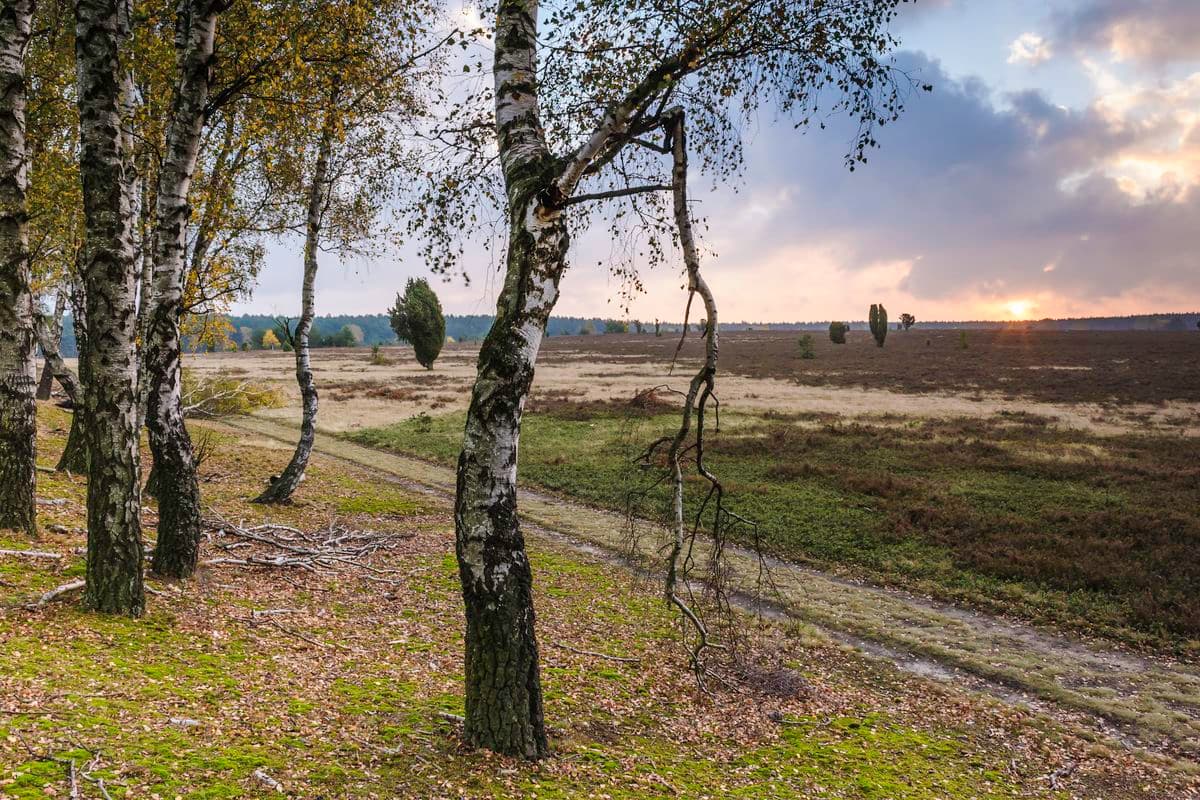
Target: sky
(1053,171)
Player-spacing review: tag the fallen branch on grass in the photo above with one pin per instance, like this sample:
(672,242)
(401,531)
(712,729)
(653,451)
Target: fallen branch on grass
(304,637)
(74,773)
(267,780)
(57,591)
(594,654)
(31,554)
(326,551)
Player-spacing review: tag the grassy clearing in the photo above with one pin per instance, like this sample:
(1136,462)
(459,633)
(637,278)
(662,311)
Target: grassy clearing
(342,698)
(1010,514)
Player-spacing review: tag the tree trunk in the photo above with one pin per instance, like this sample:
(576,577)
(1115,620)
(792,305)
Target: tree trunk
(74,454)
(175,484)
(503,682)
(18,421)
(55,363)
(282,487)
(53,335)
(114,558)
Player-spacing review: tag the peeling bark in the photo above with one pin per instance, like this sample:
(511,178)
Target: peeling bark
(18,422)
(114,558)
(176,486)
(281,488)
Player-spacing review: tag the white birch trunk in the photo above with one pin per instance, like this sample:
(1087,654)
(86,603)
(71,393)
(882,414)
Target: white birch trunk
(18,426)
(503,682)
(114,559)
(176,485)
(282,486)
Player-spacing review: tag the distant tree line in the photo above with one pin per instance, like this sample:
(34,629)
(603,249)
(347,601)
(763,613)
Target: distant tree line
(337,330)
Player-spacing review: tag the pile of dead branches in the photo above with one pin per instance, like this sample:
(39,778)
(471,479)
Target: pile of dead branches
(327,551)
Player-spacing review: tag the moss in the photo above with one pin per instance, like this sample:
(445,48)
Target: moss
(372,695)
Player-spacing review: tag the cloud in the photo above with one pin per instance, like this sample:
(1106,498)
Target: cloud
(975,201)
(1029,48)
(1149,32)
(969,208)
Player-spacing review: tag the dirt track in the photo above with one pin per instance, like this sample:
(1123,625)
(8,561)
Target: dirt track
(1153,703)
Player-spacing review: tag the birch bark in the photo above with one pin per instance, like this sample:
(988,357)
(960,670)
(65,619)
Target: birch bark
(74,454)
(114,559)
(282,487)
(18,422)
(45,387)
(177,488)
(503,680)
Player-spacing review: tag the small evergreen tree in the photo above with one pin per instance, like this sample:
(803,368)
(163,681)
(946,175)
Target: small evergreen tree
(907,320)
(879,323)
(417,319)
(837,332)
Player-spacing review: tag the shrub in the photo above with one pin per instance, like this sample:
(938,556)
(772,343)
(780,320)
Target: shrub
(837,332)
(962,340)
(377,358)
(806,346)
(907,320)
(615,326)
(417,319)
(879,323)
(223,395)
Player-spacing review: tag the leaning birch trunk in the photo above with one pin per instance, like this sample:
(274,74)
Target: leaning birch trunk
(74,454)
(282,487)
(176,488)
(503,682)
(45,387)
(18,422)
(114,558)
(59,370)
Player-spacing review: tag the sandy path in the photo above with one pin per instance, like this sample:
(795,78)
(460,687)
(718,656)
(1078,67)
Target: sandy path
(1147,702)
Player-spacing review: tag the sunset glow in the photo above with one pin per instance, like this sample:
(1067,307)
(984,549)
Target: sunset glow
(1019,308)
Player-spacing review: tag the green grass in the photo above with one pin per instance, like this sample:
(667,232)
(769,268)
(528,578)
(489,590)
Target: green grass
(1009,514)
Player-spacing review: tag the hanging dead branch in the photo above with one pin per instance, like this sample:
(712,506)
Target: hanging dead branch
(327,551)
(684,451)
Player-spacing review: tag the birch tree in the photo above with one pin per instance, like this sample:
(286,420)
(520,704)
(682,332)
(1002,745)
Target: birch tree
(282,486)
(177,487)
(18,424)
(584,97)
(369,66)
(114,581)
